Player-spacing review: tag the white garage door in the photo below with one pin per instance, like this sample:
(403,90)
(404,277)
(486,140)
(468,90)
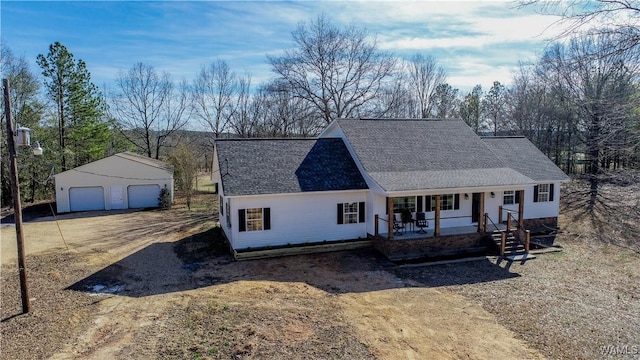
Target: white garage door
(143,196)
(86,198)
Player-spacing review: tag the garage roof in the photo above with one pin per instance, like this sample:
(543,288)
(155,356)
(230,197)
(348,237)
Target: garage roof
(127,156)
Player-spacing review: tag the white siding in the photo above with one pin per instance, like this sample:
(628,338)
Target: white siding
(110,173)
(492,204)
(535,210)
(296,219)
(462,216)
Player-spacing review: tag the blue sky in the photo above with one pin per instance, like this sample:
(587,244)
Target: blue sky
(477,42)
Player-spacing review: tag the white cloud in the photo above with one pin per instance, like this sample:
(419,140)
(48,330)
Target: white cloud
(479,41)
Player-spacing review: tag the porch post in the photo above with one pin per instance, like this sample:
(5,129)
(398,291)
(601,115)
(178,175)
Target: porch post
(480,212)
(375,224)
(436,231)
(390,222)
(521,209)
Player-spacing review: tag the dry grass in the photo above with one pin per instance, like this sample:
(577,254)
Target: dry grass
(183,298)
(568,304)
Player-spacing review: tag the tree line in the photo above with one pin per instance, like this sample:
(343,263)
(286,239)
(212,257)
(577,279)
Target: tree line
(578,102)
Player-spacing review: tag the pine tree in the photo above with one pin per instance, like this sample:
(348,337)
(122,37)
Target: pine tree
(83,133)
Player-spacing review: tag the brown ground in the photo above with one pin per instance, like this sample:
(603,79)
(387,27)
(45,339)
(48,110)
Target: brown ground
(178,296)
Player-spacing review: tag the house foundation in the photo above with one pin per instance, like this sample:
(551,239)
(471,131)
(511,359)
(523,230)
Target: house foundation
(541,225)
(434,247)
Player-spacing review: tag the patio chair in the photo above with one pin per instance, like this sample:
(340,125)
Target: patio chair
(421,222)
(398,225)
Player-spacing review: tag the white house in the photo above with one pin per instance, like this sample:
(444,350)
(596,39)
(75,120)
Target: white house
(344,184)
(121,181)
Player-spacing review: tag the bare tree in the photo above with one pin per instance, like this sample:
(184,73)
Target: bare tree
(338,71)
(602,91)
(425,76)
(184,163)
(285,114)
(618,18)
(148,107)
(213,96)
(243,120)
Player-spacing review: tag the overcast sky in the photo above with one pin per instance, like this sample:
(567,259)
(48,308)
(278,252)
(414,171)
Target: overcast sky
(476,42)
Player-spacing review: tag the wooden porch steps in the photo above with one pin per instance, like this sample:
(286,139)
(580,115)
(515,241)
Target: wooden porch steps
(513,247)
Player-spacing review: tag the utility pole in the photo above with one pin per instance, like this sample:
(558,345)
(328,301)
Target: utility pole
(15,189)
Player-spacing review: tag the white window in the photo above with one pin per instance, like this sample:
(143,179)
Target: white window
(350,215)
(543,192)
(509,197)
(408,202)
(254,219)
(447,202)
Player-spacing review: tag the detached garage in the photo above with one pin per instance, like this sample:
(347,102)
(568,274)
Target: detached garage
(121,181)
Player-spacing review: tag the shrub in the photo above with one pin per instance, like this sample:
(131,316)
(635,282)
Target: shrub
(165,198)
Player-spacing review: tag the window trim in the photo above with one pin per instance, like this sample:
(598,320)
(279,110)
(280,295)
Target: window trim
(343,215)
(254,219)
(550,193)
(455,202)
(350,213)
(406,204)
(244,219)
(512,195)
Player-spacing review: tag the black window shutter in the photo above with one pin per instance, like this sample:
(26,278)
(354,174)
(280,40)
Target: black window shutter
(221,206)
(242,222)
(456,202)
(386,206)
(419,204)
(361,212)
(266,214)
(550,192)
(517,201)
(535,193)
(428,207)
(340,214)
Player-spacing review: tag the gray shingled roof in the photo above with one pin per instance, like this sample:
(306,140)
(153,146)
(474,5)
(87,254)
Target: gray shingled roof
(520,154)
(426,154)
(447,179)
(272,166)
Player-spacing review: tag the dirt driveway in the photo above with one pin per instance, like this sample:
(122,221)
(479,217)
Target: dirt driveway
(149,284)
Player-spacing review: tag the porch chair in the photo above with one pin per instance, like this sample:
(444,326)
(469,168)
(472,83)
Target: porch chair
(421,222)
(398,225)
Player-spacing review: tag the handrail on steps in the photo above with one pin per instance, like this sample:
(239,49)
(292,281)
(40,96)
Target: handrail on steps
(527,237)
(503,234)
(486,216)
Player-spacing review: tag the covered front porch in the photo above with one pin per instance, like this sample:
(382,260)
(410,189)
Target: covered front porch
(412,234)
(449,214)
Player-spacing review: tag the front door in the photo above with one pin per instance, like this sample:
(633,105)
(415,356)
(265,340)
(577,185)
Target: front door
(475,207)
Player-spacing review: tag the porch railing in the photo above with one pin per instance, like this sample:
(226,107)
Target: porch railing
(519,228)
(376,225)
(503,233)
